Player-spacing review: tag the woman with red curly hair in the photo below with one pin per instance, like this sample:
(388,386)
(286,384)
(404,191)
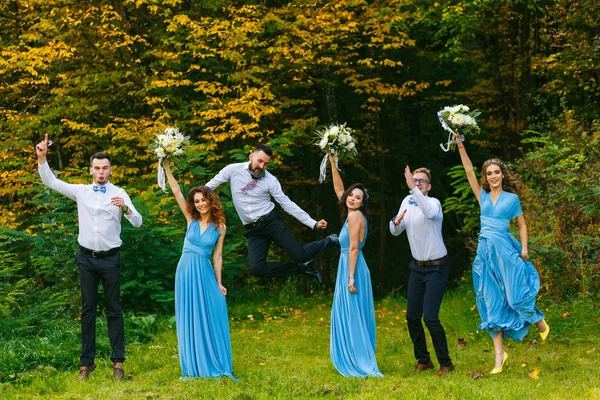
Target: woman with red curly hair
(200,307)
(506,284)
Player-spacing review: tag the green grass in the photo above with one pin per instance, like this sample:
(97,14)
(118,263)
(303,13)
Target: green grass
(282,352)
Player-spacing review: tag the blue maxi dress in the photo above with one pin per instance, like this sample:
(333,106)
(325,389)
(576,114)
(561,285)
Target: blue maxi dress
(505,286)
(352,346)
(200,309)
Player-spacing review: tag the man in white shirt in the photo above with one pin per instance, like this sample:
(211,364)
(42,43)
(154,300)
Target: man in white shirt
(100,207)
(421,216)
(252,188)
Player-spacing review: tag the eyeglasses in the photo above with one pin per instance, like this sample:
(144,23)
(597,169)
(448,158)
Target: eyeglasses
(417,181)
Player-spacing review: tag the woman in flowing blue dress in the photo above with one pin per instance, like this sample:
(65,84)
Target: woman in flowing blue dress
(200,307)
(352,346)
(505,283)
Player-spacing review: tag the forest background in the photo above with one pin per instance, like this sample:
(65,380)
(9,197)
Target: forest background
(110,75)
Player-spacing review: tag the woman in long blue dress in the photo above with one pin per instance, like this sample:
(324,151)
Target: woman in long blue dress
(200,307)
(352,346)
(506,284)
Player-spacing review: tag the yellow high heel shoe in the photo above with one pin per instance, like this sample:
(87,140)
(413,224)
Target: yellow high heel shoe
(544,334)
(504,364)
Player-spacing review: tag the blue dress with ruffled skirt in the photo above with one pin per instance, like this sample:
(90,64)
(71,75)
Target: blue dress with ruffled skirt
(505,286)
(200,309)
(352,346)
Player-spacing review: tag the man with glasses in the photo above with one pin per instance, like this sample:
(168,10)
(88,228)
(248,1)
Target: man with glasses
(100,208)
(421,216)
(252,188)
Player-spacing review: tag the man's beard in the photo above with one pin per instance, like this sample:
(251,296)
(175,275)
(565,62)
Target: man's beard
(257,173)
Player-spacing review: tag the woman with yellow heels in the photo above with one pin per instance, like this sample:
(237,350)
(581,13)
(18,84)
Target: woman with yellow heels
(506,284)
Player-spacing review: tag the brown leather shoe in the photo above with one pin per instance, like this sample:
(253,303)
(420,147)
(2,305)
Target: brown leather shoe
(118,371)
(423,367)
(85,371)
(445,370)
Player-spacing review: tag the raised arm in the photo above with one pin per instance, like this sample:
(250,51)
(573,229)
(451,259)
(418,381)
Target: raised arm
(48,178)
(176,191)
(338,185)
(218,259)
(468,165)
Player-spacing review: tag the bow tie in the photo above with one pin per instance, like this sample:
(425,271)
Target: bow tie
(101,188)
(412,202)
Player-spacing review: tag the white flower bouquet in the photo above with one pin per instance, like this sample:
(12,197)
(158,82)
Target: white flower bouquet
(168,144)
(336,140)
(459,120)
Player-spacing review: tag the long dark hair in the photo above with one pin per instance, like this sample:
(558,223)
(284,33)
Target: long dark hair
(509,182)
(364,208)
(217,216)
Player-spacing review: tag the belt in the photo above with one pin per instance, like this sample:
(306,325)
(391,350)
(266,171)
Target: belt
(431,263)
(256,223)
(100,253)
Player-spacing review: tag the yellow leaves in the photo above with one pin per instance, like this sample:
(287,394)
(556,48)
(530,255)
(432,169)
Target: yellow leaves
(534,373)
(179,20)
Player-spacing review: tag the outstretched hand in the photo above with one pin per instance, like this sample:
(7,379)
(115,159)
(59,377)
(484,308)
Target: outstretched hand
(398,219)
(322,224)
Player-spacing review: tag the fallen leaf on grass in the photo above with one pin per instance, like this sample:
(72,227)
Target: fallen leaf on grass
(475,374)
(461,342)
(534,373)
(593,349)
(565,314)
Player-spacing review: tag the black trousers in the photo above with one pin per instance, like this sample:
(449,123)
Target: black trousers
(91,272)
(274,230)
(426,287)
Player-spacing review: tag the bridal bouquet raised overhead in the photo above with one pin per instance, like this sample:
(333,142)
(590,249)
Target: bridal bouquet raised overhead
(168,144)
(336,140)
(459,120)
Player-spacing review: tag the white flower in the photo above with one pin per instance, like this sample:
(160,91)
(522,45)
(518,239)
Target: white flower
(323,142)
(160,152)
(457,119)
(336,139)
(454,109)
(469,121)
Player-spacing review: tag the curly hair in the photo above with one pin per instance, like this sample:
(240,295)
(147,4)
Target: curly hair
(217,216)
(509,182)
(364,208)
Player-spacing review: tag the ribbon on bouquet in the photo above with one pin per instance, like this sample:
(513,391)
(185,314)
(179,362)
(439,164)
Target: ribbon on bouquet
(323,168)
(161,176)
(450,141)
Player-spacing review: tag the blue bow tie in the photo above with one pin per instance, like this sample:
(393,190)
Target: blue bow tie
(101,188)
(412,201)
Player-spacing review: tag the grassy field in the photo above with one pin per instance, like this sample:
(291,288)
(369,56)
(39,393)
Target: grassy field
(281,351)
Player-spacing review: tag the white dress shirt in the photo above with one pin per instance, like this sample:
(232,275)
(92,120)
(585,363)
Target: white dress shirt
(256,202)
(99,219)
(423,225)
